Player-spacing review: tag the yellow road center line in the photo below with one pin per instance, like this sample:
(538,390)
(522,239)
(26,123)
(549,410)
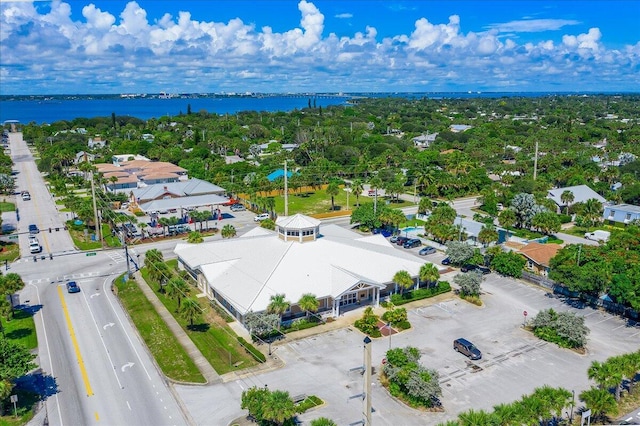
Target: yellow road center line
(72,333)
(97,416)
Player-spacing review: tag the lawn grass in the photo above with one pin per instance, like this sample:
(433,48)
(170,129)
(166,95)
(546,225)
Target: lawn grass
(172,358)
(212,336)
(319,202)
(21,329)
(82,243)
(7,207)
(9,251)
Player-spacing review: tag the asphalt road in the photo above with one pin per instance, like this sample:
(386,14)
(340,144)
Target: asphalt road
(40,210)
(95,370)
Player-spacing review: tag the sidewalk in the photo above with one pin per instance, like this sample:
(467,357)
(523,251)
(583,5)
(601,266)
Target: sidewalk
(210,375)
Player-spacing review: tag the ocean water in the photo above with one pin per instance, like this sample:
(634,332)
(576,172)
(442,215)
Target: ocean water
(50,109)
(44,109)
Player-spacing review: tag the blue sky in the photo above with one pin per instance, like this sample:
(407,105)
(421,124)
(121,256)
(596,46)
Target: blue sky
(149,46)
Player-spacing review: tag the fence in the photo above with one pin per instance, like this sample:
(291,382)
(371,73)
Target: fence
(595,302)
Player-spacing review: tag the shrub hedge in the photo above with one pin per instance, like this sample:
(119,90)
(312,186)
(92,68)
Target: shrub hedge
(259,356)
(421,293)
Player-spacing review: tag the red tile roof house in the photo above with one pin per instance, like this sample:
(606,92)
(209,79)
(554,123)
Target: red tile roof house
(539,257)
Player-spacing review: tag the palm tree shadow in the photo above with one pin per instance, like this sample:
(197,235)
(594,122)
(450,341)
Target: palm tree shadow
(199,327)
(39,383)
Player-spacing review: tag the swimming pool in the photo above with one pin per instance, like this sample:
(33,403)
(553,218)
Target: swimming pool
(412,229)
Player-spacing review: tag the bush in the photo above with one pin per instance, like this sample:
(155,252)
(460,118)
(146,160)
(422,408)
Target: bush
(403,325)
(564,329)
(419,294)
(564,218)
(259,356)
(368,324)
(301,324)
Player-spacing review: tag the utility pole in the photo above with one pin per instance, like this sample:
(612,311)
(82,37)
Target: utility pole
(367,381)
(126,255)
(535,163)
(95,208)
(286,191)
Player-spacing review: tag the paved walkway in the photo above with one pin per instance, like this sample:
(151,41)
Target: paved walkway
(201,362)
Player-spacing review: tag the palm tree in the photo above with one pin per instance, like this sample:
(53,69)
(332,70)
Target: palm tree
(228,231)
(333,189)
(429,273)
(176,288)
(279,407)
(190,310)
(154,255)
(476,418)
(630,367)
(506,414)
(592,210)
(607,375)
(600,401)
(308,302)
(195,237)
(567,198)
(356,188)
(402,279)
(158,272)
(164,221)
(278,305)
(488,235)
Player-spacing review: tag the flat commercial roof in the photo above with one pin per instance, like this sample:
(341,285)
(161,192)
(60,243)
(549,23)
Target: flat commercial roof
(183,202)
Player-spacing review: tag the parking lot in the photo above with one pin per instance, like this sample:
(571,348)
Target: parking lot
(514,362)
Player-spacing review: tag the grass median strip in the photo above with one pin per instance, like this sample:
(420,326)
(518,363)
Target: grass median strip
(212,336)
(172,358)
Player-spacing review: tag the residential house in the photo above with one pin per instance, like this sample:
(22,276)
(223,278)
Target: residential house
(83,156)
(424,140)
(96,142)
(621,213)
(581,193)
(539,257)
(459,128)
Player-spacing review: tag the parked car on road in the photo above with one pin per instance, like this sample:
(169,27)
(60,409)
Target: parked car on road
(426,250)
(467,348)
(73,287)
(261,217)
(33,229)
(470,268)
(413,242)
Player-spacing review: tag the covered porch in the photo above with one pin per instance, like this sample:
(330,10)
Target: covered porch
(362,293)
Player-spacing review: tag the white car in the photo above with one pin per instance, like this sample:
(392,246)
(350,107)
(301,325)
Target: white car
(261,217)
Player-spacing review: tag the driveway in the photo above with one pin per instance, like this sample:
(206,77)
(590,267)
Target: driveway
(514,362)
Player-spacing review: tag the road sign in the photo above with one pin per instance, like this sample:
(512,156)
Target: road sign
(93,253)
(525,313)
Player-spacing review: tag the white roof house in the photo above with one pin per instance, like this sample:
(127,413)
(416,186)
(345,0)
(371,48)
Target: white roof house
(581,193)
(338,266)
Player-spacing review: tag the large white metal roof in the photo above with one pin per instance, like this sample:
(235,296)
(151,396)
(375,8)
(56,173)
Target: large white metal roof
(247,271)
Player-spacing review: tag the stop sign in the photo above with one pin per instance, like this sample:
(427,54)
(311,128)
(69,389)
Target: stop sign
(524,313)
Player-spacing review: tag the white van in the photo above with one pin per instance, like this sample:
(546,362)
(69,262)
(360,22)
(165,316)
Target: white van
(34,246)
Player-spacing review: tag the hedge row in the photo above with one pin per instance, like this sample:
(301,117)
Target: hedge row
(259,356)
(421,293)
